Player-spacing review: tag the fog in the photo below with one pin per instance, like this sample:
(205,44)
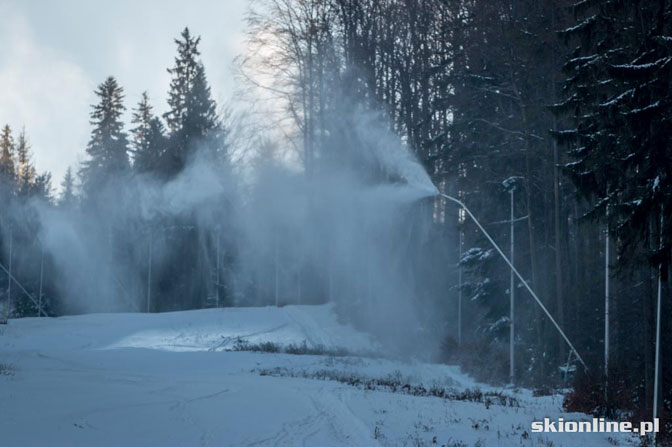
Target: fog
(350,233)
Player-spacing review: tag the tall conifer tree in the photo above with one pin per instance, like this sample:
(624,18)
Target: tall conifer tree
(25,171)
(7,149)
(67,198)
(108,146)
(192,117)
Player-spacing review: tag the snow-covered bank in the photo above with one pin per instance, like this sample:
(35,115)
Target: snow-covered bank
(199,330)
(169,380)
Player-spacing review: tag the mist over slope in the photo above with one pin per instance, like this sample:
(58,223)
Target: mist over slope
(350,234)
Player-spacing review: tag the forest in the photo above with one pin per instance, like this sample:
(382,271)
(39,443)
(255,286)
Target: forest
(550,120)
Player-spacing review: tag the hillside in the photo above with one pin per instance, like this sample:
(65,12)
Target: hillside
(180,379)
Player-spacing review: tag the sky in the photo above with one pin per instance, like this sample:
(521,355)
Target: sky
(53,54)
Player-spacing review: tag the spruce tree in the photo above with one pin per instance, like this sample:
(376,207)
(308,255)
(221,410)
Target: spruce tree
(25,171)
(619,95)
(193,125)
(147,137)
(201,116)
(183,76)
(67,198)
(41,187)
(192,116)
(7,149)
(108,146)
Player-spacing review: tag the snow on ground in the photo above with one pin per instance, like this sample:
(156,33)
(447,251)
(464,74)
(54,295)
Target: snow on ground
(172,379)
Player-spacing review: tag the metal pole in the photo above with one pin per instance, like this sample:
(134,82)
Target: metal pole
(9,283)
(606,311)
(330,284)
(217,271)
(459,291)
(520,277)
(277,279)
(149,270)
(512,297)
(39,298)
(657,362)
(23,289)
(298,286)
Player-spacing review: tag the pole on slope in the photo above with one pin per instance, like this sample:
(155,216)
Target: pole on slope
(459,291)
(217,269)
(606,311)
(9,282)
(277,273)
(657,361)
(298,286)
(39,297)
(520,277)
(330,277)
(150,255)
(512,302)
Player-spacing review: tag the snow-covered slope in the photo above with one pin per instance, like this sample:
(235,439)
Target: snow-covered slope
(198,330)
(172,380)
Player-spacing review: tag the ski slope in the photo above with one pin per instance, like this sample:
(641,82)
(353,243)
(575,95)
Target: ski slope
(174,379)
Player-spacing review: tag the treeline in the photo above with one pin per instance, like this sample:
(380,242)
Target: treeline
(20,182)
(565,104)
(98,205)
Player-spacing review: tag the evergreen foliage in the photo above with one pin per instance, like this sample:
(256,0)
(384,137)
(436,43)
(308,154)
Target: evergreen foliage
(149,141)
(68,198)
(7,173)
(192,119)
(108,146)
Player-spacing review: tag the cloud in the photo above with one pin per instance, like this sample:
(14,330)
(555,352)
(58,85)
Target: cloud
(43,91)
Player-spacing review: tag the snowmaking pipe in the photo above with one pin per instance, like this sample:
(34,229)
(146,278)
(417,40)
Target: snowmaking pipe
(28,294)
(520,277)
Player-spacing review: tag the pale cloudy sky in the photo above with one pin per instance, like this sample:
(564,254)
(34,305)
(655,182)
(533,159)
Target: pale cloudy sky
(53,54)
